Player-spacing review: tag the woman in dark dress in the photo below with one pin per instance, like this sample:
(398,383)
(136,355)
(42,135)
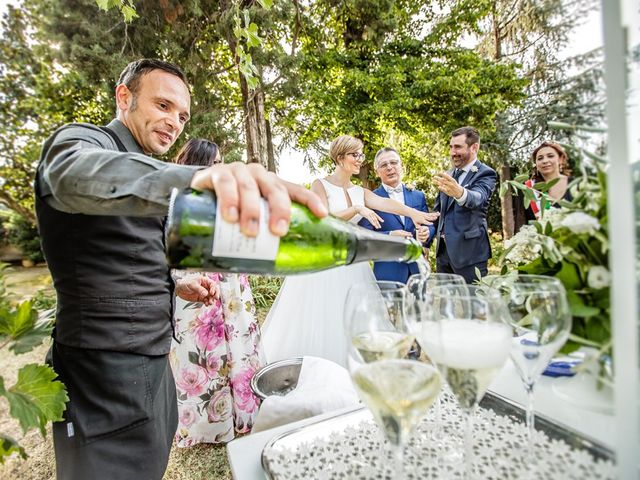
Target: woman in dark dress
(550,161)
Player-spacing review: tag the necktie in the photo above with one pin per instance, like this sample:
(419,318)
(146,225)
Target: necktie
(456,174)
(397,189)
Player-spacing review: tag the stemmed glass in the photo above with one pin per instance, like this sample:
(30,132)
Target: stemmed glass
(473,344)
(398,391)
(421,322)
(541,321)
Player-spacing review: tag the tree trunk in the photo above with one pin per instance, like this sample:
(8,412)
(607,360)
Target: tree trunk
(254,121)
(364,176)
(255,128)
(506,203)
(271,158)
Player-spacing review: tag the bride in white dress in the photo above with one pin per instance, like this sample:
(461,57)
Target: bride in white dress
(306,317)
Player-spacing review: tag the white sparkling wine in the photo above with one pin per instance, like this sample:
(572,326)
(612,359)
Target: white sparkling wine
(472,351)
(398,393)
(198,237)
(382,345)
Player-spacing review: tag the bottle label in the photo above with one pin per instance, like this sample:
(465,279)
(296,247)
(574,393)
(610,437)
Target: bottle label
(229,242)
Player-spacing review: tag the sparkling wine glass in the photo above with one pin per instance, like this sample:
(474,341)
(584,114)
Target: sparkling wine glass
(473,344)
(420,287)
(541,321)
(397,390)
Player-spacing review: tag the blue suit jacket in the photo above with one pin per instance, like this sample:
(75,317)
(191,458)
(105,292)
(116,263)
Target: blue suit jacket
(398,271)
(465,227)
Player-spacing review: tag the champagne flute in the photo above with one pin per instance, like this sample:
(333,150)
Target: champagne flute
(420,287)
(398,391)
(474,344)
(541,321)
(374,314)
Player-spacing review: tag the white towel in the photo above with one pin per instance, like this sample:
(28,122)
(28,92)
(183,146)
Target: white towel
(322,386)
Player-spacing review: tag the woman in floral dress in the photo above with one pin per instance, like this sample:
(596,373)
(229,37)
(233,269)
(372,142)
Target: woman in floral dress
(216,348)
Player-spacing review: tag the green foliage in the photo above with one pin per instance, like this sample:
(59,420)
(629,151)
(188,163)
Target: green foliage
(264,290)
(36,397)
(126,7)
(23,234)
(571,243)
(43,300)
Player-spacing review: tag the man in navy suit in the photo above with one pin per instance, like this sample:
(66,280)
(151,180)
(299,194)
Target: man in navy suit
(388,166)
(461,231)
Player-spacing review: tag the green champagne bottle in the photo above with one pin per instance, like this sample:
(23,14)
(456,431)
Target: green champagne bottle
(198,237)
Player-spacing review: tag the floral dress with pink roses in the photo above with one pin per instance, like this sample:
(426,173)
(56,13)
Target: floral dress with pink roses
(213,357)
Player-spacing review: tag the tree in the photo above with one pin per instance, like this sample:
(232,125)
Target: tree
(365,68)
(531,33)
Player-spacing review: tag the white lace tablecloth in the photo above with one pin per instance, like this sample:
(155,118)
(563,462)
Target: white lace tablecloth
(357,449)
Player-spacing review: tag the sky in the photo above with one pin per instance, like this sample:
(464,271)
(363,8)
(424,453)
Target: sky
(290,164)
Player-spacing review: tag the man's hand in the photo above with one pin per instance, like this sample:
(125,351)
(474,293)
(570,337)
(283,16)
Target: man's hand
(422,234)
(197,288)
(239,186)
(448,185)
(400,233)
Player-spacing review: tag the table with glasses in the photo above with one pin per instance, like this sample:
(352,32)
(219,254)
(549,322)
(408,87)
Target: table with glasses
(466,415)
(245,453)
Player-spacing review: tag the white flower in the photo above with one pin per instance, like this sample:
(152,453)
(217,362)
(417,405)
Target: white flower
(474,169)
(598,277)
(579,222)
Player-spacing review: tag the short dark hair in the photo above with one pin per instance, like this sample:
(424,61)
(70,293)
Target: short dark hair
(197,151)
(471,134)
(130,76)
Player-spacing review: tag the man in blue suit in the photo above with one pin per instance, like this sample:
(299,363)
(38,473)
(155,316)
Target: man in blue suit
(461,231)
(388,166)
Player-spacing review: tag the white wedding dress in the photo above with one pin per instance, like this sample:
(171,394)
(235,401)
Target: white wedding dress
(306,317)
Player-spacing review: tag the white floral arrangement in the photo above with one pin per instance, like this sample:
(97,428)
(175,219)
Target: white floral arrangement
(570,243)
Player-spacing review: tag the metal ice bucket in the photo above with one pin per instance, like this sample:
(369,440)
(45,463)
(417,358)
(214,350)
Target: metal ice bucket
(277,378)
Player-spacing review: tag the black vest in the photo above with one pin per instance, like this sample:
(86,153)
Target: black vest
(111,278)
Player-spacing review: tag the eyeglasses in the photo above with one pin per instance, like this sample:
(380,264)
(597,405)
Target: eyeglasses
(357,156)
(390,163)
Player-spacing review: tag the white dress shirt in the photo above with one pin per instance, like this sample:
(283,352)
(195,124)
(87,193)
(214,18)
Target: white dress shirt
(465,171)
(396,194)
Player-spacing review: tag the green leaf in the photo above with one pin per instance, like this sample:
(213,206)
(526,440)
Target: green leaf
(521,178)
(103,4)
(16,322)
(578,308)
(536,267)
(129,13)
(36,398)
(8,446)
(266,4)
(569,276)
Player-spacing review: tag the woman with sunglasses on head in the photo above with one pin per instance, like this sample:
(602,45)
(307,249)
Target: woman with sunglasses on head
(216,348)
(550,162)
(306,317)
